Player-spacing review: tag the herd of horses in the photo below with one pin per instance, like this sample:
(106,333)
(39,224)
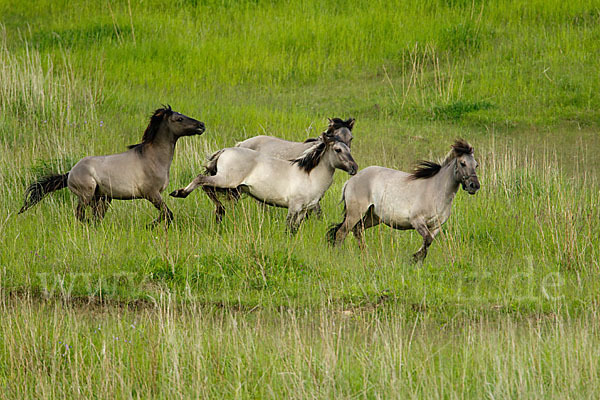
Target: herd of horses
(277,172)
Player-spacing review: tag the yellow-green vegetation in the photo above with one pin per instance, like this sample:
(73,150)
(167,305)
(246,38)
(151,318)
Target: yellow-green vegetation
(505,305)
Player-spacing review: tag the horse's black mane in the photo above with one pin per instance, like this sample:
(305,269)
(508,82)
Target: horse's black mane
(311,157)
(427,169)
(152,129)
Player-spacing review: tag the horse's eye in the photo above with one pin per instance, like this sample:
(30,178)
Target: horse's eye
(338,150)
(463,164)
(179,119)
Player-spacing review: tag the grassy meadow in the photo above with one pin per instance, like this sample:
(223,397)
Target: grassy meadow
(506,304)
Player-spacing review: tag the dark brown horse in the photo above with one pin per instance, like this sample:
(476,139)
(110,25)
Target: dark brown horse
(142,172)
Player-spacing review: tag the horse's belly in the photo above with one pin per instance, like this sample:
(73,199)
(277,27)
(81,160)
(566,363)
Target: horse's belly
(267,195)
(394,217)
(120,191)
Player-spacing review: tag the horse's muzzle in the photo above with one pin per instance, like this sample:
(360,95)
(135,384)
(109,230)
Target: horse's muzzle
(201,128)
(353,170)
(471,185)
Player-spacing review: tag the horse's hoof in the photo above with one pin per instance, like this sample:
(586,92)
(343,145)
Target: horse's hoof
(156,223)
(178,193)
(417,258)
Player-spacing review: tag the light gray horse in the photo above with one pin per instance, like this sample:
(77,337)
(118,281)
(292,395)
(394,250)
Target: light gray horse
(297,185)
(142,172)
(421,200)
(287,150)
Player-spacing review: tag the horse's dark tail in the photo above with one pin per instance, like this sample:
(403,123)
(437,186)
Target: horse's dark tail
(40,188)
(211,165)
(332,231)
(211,169)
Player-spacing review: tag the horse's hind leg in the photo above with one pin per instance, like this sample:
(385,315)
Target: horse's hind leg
(100,206)
(193,185)
(338,233)
(84,186)
(84,201)
(369,220)
(80,210)
(219,208)
(202,180)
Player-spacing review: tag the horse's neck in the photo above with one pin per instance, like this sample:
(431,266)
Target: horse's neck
(161,151)
(446,186)
(321,176)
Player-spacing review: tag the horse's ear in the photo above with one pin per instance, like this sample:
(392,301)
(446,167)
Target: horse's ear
(330,122)
(328,136)
(350,123)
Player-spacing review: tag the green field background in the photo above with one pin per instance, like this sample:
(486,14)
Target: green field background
(505,305)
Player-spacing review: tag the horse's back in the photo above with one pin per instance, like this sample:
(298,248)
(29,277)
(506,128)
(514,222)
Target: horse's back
(120,175)
(276,147)
(375,178)
(254,162)
(236,162)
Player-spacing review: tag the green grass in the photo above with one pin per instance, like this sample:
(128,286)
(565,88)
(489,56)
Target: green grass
(170,351)
(504,306)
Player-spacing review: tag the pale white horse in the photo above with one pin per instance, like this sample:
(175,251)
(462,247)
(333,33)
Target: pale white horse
(420,200)
(288,150)
(297,185)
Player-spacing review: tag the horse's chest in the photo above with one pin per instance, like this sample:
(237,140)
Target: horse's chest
(164,184)
(158,180)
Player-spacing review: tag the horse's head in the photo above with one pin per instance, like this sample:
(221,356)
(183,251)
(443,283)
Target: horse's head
(182,125)
(342,130)
(339,153)
(465,167)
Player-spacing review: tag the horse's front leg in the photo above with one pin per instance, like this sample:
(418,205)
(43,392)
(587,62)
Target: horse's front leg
(294,218)
(428,236)
(185,192)
(316,211)
(165,214)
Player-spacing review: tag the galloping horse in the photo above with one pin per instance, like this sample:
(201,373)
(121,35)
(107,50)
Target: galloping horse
(297,185)
(142,172)
(287,150)
(421,200)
